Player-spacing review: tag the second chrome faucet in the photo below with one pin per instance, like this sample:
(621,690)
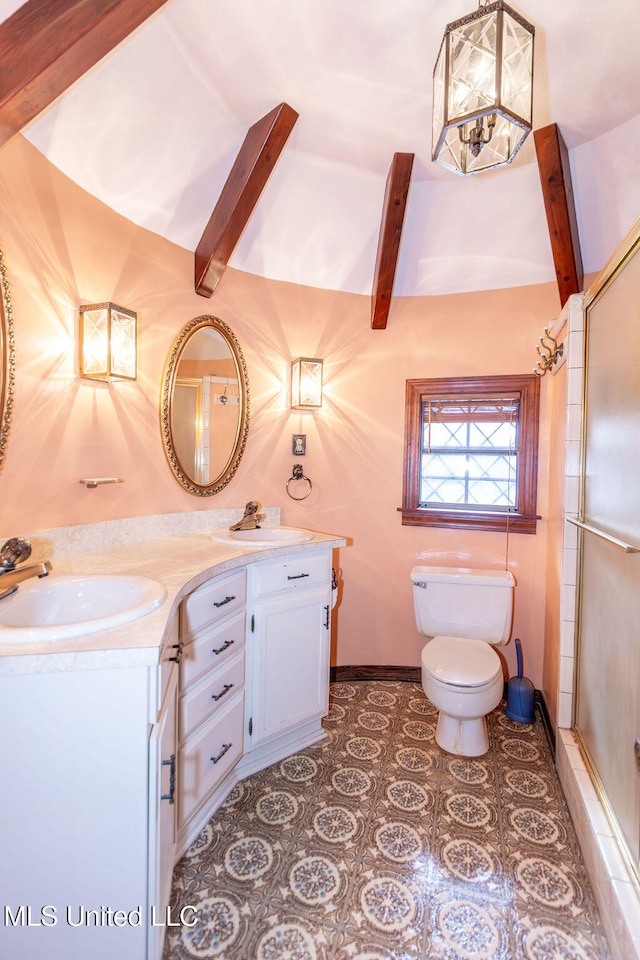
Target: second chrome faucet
(251,519)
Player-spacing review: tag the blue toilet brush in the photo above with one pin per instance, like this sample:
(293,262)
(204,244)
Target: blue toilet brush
(519,694)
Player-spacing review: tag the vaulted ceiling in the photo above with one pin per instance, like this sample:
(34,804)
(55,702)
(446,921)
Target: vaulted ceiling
(154,129)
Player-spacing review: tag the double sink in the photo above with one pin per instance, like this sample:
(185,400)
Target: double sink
(60,607)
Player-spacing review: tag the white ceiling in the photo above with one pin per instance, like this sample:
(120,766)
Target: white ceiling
(154,129)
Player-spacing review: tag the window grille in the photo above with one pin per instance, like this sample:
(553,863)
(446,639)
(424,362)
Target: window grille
(471,453)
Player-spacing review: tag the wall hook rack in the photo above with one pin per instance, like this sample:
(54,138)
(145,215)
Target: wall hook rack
(549,351)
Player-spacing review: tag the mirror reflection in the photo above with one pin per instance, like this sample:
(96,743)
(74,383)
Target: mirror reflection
(7,358)
(205,406)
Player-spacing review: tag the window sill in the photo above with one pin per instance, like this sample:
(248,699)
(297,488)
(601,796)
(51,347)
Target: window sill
(468,520)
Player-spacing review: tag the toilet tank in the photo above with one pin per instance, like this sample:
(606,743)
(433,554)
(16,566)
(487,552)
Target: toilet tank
(461,602)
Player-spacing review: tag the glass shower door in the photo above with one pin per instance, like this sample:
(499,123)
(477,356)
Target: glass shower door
(608,693)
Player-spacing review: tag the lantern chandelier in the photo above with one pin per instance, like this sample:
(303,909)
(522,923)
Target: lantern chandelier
(483,89)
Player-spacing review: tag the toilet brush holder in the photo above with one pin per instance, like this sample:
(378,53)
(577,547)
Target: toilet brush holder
(520,694)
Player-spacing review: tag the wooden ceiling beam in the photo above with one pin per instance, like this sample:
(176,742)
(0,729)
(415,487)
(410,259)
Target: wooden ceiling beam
(555,177)
(395,203)
(46,45)
(252,168)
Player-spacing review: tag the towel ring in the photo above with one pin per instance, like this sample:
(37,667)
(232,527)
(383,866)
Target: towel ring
(298,475)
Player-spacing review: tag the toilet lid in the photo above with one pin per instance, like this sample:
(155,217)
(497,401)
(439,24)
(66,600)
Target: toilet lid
(461,661)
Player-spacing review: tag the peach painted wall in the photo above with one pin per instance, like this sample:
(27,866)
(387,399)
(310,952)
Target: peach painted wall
(62,248)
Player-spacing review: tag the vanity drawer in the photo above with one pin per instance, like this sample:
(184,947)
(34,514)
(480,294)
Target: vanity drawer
(294,573)
(211,649)
(211,694)
(211,602)
(209,755)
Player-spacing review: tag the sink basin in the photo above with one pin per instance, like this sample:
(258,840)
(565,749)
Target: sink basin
(70,606)
(265,536)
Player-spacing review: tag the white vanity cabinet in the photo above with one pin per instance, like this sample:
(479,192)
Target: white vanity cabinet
(211,703)
(74,812)
(163,755)
(114,759)
(87,829)
(288,640)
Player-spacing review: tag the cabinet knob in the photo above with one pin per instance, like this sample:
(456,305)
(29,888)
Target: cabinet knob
(225,646)
(225,689)
(221,603)
(171,763)
(178,656)
(225,747)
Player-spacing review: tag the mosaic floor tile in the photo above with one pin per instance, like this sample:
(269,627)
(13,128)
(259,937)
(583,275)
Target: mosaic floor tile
(377,845)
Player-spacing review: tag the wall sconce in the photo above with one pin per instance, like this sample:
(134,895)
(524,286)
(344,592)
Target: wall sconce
(483,89)
(306,384)
(107,342)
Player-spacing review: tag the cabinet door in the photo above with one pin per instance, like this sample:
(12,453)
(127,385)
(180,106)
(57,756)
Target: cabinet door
(74,811)
(289,657)
(163,766)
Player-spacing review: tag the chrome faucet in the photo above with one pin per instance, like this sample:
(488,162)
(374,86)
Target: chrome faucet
(251,519)
(13,552)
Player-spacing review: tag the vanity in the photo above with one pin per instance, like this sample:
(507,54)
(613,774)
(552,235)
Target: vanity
(119,746)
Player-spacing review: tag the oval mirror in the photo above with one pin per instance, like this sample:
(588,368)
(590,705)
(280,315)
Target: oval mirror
(7,359)
(205,406)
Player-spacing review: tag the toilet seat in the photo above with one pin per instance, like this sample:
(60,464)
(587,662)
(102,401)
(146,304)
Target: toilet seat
(461,662)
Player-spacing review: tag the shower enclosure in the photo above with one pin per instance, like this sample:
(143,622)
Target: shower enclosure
(607,701)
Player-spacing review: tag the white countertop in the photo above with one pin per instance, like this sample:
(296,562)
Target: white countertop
(180,563)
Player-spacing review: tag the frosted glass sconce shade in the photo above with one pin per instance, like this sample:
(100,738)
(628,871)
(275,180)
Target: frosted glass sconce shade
(306,384)
(483,89)
(107,342)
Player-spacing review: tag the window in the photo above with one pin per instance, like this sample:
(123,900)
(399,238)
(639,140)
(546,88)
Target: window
(471,453)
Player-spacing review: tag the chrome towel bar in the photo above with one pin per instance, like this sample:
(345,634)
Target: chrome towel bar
(614,541)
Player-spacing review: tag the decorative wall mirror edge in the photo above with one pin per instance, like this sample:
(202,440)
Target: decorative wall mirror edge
(201,476)
(7,359)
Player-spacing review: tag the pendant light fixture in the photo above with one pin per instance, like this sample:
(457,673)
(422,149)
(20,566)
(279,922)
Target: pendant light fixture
(483,89)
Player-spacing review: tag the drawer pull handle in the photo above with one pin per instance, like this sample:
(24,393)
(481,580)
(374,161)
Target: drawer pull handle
(171,763)
(225,689)
(178,656)
(221,603)
(225,747)
(326,618)
(298,576)
(225,645)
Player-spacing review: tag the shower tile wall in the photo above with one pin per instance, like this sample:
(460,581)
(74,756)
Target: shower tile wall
(574,314)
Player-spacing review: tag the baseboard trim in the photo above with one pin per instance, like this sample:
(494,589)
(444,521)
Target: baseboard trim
(540,702)
(364,672)
(414,675)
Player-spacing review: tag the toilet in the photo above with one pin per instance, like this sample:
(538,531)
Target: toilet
(465,613)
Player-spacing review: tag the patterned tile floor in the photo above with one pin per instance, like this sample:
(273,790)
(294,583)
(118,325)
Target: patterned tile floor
(376,845)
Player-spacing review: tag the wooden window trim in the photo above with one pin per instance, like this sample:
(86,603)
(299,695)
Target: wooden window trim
(521,521)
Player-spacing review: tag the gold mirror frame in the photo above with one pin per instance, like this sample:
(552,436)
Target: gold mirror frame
(7,359)
(168,385)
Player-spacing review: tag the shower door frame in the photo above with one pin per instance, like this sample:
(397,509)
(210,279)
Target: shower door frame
(628,249)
